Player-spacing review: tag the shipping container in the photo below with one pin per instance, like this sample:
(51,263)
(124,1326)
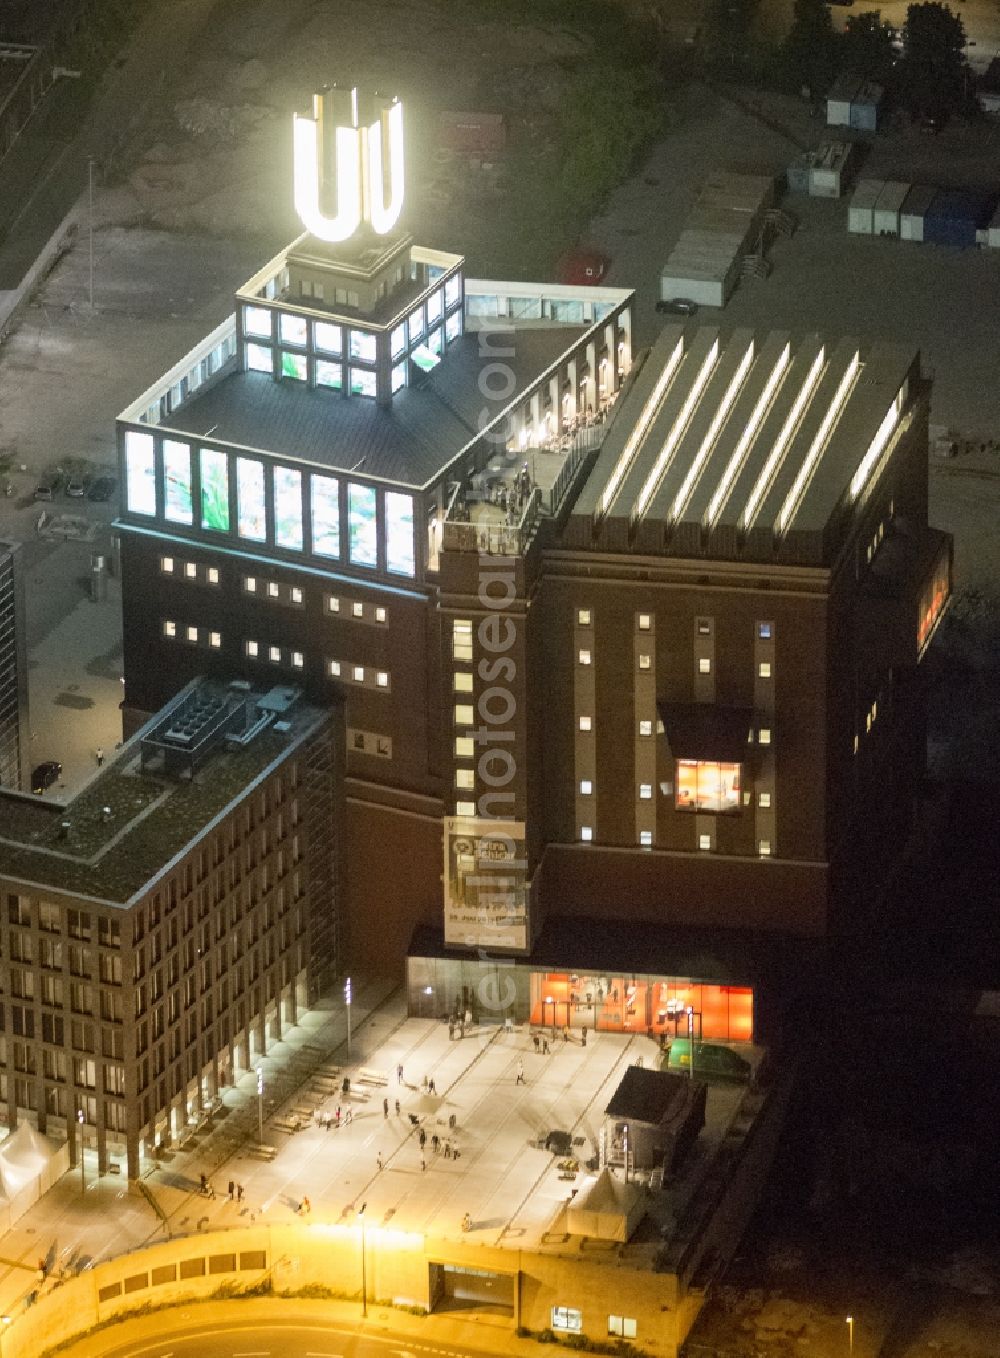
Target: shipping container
(955,216)
(885,216)
(859,214)
(911,216)
(865,107)
(994,230)
(840,98)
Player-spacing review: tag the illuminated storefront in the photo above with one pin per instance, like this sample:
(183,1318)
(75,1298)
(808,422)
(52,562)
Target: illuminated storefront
(641,1004)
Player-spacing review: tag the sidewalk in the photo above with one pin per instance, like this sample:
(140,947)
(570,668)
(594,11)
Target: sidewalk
(86,1218)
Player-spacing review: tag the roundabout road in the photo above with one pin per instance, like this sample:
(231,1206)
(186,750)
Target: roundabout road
(180,1336)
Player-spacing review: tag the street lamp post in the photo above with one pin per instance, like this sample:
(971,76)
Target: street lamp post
(364,1263)
(850,1334)
(83,1181)
(260,1105)
(347,1002)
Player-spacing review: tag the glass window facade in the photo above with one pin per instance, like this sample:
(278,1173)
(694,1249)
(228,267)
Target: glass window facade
(140,472)
(177,503)
(641,1004)
(251,512)
(294,366)
(453,326)
(293,329)
(325,494)
(259,358)
(397,342)
(415,324)
(328,338)
(364,346)
(257,321)
(399,541)
(214,468)
(452,290)
(362,382)
(706,785)
(435,307)
(329,374)
(288,508)
(362,525)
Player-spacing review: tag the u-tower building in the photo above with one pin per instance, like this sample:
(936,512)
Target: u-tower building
(626,640)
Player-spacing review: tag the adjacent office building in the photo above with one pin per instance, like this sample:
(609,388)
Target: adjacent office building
(14,750)
(159,929)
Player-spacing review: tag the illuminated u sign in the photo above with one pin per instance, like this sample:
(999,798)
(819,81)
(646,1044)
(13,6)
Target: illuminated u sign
(365,163)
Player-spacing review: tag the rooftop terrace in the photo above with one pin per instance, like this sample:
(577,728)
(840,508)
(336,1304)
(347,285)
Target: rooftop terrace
(130,822)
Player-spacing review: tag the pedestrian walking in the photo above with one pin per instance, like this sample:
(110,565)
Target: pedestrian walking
(99,756)
(520,1072)
(537,1041)
(211,1191)
(422,1138)
(378,1160)
(232,1189)
(399,1073)
(545,1047)
(435,1143)
(423,1163)
(350,1117)
(583,1036)
(385,1108)
(204,1184)
(397,1108)
(239,1192)
(447,1149)
(451,1031)
(431,1087)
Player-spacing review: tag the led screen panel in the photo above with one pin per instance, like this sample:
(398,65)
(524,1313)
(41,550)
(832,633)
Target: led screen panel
(325,495)
(288,508)
(257,322)
(177,503)
(259,358)
(251,514)
(214,490)
(452,290)
(434,307)
(399,551)
(293,329)
(328,337)
(362,529)
(363,346)
(293,365)
(362,382)
(329,374)
(140,472)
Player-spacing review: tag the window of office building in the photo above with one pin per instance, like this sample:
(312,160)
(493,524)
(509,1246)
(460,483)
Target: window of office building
(464,714)
(465,747)
(462,681)
(645,622)
(707,785)
(257,321)
(764,800)
(622,1325)
(645,728)
(586,724)
(328,338)
(329,374)
(646,839)
(586,787)
(764,848)
(465,808)
(704,665)
(765,630)
(646,792)
(363,346)
(584,657)
(764,669)
(461,639)
(465,779)
(566,1319)
(583,617)
(259,359)
(586,833)
(704,842)
(645,662)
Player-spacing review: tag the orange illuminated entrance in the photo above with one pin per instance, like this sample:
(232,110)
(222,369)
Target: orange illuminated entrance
(640,1004)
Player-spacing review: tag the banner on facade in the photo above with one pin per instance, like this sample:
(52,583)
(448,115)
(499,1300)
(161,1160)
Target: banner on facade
(485,884)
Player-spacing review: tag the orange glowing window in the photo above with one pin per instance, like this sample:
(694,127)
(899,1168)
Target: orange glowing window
(704,785)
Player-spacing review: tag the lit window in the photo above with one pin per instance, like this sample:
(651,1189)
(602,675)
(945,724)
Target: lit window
(273,589)
(212,575)
(167,565)
(622,1325)
(380,615)
(764,669)
(586,787)
(565,1318)
(465,747)
(855,743)
(192,634)
(252,648)
(334,669)
(359,674)
(705,785)
(704,665)
(645,622)
(645,662)
(332,604)
(169,629)
(461,639)
(465,779)
(646,839)
(215,640)
(584,657)
(465,808)
(461,681)
(274,654)
(586,724)
(358,609)
(764,630)
(764,735)
(646,792)
(464,714)
(645,728)
(250,584)
(764,848)
(583,617)
(586,833)
(190,570)
(704,626)
(764,800)
(382,678)
(704,841)
(296,595)
(297,660)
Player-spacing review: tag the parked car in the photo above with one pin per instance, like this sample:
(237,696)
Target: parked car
(47,488)
(102,488)
(711,1059)
(76,490)
(45,775)
(582,266)
(677,306)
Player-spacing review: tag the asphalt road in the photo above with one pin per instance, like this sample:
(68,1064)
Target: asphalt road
(290,1339)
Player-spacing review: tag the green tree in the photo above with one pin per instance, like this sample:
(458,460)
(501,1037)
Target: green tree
(810,52)
(934,76)
(867,47)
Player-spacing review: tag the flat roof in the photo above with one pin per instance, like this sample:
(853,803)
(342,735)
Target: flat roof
(422,431)
(745,446)
(111,855)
